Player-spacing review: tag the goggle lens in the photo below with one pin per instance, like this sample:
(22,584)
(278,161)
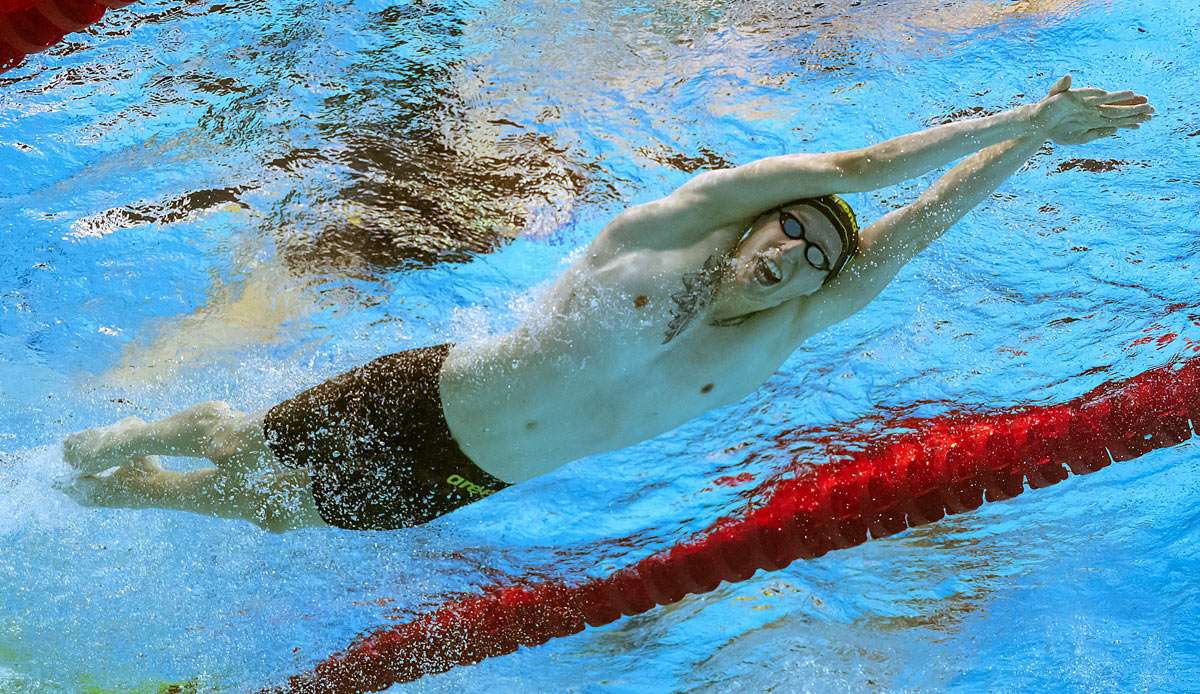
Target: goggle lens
(792,228)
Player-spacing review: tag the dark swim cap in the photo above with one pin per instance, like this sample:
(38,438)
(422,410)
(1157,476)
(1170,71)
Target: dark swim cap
(839,214)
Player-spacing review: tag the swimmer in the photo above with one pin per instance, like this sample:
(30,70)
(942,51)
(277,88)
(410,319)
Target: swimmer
(679,306)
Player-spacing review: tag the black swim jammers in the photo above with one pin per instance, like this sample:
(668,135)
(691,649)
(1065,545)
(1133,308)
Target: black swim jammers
(376,443)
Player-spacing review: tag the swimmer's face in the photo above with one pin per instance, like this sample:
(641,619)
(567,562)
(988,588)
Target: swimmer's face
(786,254)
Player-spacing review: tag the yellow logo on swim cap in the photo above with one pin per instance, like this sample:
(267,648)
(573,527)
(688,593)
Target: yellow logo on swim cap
(845,207)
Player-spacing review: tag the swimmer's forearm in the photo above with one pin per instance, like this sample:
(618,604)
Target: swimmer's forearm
(908,156)
(896,238)
(974,179)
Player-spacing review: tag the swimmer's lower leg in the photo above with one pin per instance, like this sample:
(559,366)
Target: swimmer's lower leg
(192,432)
(273,501)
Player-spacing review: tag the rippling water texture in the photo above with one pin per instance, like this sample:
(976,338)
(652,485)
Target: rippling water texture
(236,199)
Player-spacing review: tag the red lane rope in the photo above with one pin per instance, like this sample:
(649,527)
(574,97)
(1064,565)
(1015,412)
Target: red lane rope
(32,26)
(944,465)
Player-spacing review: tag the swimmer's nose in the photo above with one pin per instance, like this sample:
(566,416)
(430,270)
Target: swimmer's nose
(815,257)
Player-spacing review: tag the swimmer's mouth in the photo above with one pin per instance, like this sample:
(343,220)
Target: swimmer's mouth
(767,272)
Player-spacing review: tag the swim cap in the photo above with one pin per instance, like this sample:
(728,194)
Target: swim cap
(839,214)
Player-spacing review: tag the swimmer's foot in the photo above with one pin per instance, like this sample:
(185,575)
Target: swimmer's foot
(135,484)
(277,502)
(101,448)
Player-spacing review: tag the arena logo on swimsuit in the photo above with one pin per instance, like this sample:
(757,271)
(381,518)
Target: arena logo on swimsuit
(463,483)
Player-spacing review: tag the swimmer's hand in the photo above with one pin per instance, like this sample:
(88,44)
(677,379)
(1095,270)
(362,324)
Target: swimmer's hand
(1074,116)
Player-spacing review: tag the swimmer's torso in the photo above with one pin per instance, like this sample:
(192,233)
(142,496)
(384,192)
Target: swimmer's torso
(590,372)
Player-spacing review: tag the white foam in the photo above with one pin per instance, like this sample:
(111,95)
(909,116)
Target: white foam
(30,497)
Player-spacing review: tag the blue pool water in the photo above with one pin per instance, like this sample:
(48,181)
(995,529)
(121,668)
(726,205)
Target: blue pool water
(236,200)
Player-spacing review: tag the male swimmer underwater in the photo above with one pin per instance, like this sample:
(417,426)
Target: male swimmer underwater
(679,306)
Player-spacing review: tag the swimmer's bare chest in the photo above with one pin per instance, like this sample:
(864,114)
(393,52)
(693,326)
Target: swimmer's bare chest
(593,369)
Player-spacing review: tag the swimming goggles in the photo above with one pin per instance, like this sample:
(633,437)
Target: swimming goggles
(793,228)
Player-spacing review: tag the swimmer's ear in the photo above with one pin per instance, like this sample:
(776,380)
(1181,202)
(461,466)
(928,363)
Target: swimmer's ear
(1062,85)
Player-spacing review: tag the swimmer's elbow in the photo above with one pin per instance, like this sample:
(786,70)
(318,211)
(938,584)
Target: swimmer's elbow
(858,169)
(707,196)
(707,188)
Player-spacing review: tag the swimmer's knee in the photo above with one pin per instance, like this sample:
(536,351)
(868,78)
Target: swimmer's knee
(273,524)
(212,414)
(226,434)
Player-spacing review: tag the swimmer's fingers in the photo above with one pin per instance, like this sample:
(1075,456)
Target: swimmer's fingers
(1084,136)
(1102,132)
(1128,121)
(1112,111)
(1110,131)
(1107,131)
(1131,101)
(1075,130)
(1112,97)
(88,489)
(1123,116)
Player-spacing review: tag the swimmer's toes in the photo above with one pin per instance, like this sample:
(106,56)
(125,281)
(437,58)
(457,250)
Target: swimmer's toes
(75,449)
(87,490)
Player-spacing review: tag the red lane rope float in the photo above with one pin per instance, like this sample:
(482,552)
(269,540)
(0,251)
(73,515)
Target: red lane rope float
(944,465)
(32,26)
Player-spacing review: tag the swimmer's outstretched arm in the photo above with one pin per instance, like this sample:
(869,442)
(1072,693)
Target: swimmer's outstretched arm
(888,244)
(728,195)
